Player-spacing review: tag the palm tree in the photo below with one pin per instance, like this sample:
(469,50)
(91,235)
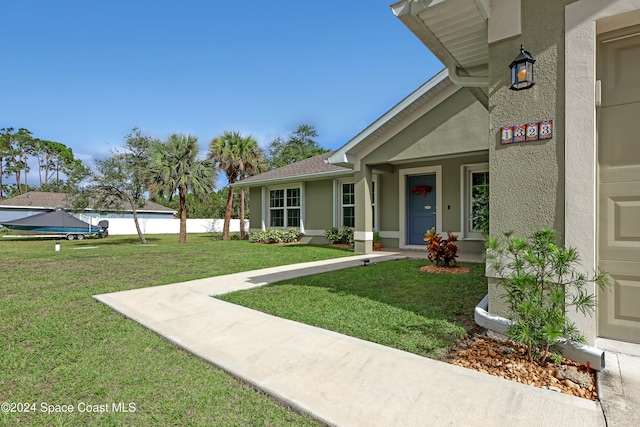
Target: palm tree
(238,156)
(176,168)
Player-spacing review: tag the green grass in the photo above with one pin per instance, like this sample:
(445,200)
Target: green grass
(59,346)
(391,303)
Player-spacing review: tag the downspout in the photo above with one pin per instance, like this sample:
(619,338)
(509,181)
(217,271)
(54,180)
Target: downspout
(590,356)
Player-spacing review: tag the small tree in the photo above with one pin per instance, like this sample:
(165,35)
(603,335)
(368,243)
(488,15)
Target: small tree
(541,283)
(119,180)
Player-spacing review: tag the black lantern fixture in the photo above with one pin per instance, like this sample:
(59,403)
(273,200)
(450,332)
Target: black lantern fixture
(522,70)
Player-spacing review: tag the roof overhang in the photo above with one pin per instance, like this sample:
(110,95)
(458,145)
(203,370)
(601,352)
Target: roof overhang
(296,178)
(456,32)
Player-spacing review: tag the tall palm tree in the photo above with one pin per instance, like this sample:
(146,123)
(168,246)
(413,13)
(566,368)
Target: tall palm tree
(238,156)
(176,168)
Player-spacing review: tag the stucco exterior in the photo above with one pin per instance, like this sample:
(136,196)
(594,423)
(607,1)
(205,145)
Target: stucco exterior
(527,179)
(446,137)
(452,125)
(319,205)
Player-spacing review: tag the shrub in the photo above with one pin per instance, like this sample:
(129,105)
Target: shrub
(541,282)
(342,235)
(441,251)
(275,235)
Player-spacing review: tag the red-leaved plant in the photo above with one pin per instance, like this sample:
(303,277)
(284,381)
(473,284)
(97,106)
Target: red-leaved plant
(441,251)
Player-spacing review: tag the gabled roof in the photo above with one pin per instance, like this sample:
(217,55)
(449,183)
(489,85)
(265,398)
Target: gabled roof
(430,92)
(46,200)
(312,168)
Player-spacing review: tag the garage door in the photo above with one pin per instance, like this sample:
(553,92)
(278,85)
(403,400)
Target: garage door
(619,183)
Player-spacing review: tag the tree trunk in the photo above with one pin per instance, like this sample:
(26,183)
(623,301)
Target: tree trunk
(1,174)
(18,182)
(135,220)
(242,230)
(227,215)
(183,215)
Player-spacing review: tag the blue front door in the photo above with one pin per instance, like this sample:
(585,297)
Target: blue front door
(421,207)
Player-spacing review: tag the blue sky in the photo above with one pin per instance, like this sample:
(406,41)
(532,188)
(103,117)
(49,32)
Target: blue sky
(84,72)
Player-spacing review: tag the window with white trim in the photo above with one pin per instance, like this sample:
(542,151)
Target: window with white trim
(476,200)
(284,207)
(347,208)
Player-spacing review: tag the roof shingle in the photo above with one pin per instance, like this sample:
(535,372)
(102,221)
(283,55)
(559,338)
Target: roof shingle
(41,199)
(315,165)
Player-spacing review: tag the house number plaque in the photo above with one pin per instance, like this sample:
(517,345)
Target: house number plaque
(527,132)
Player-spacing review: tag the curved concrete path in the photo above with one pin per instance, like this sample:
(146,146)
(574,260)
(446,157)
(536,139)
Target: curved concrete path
(340,380)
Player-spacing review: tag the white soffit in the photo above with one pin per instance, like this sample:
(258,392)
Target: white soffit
(456,31)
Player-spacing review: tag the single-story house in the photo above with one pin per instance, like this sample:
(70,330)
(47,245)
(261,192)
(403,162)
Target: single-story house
(34,202)
(407,150)
(562,154)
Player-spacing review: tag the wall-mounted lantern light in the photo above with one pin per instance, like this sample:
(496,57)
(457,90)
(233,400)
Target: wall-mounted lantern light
(522,70)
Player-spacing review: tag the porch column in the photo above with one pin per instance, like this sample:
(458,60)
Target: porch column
(363,233)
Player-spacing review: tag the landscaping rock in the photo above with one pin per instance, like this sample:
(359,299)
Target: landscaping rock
(572,374)
(507,360)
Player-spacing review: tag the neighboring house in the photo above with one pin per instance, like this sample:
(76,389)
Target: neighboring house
(35,202)
(415,167)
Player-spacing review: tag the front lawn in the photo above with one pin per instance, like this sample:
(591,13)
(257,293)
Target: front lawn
(59,346)
(391,303)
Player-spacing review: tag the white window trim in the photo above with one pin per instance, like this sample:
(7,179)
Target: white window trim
(337,201)
(465,199)
(266,212)
(341,205)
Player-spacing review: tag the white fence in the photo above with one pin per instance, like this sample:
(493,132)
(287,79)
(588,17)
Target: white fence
(119,226)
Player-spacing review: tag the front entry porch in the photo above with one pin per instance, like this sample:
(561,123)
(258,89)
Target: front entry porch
(409,199)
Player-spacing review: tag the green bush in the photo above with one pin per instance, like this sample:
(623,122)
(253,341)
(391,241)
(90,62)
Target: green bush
(342,235)
(441,251)
(275,235)
(541,283)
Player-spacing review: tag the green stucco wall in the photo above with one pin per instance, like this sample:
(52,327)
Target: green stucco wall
(388,185)
(319,204)
(527,179)
(457,125)
(255,207)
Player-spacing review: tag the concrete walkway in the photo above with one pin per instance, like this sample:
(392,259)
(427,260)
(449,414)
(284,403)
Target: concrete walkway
(340,380)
